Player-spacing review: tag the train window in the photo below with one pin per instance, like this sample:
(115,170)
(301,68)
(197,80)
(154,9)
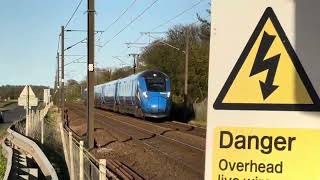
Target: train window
(156,84)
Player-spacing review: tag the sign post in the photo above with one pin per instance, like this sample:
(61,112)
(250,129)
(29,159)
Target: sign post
(27,99)
(263,102)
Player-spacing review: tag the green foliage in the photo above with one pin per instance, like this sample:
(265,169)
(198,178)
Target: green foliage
(13,92)
(3,160)
(3,164)
(160,56)
(121,72)
(103,75)
(73,90)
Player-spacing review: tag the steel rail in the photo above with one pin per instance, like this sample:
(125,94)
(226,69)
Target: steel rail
(118,120)
(167,123)
(171,123)
(160,135)
(142,141)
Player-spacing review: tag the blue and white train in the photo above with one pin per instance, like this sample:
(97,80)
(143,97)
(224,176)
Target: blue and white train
(145,94)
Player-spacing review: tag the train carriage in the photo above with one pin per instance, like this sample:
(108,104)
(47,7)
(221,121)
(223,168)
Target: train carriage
(145,94)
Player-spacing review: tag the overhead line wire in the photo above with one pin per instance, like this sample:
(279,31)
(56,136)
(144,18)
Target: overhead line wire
(75,60)
(141,35)
(131,22)
(181,13)
(178,15)
(73,14)
(162,24)
(82,41)
(125,50)
(116,20)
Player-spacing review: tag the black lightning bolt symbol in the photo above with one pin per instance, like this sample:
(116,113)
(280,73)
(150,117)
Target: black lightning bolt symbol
(261,64)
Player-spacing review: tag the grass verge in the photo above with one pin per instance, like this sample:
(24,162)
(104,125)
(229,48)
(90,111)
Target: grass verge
(3,164)
(3,160)
(7,103)
(52,146)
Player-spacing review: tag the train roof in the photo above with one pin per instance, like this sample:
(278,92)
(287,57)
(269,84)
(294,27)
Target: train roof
(151,72)
(140,74)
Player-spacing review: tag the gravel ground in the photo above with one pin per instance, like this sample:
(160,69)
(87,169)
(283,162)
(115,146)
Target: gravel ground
(153,150)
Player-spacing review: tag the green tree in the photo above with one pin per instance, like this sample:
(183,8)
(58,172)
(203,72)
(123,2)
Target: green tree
(160,56)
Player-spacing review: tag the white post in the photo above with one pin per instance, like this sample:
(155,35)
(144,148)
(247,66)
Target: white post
(81,161)
(42,130)
(27,121)
(64,145)
(71,156)
(32,121)
(102,169)
(41,114)
(38,115)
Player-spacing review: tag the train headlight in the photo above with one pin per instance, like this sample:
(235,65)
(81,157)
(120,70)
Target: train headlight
(168,94)
(145,94)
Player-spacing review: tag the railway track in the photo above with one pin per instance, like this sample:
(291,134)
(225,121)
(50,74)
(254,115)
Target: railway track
(172,125)
(183,144)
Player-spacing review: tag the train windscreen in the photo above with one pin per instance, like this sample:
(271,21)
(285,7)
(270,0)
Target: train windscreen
(155,84)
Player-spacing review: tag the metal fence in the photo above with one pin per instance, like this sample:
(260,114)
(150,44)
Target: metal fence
(81,164)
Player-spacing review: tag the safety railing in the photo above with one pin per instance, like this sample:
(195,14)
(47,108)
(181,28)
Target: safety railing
(81,163)
(16,138)
(34,150)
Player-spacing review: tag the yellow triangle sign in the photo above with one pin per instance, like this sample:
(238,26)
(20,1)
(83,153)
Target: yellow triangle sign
(268,74)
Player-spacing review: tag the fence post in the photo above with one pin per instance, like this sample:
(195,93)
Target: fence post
(102,169)
(36,119)
(81,161)
(27,121)
(71,156)
(42,130)
(32,121)
(65,152)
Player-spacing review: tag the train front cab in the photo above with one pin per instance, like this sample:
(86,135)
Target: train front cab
(155,94)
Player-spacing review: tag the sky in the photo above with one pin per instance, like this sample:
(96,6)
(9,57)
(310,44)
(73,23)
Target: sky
(30,30)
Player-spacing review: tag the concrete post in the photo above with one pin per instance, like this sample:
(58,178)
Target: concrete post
(27,121)
(42,130)
(81,161)
(27,113)
(71,156)
(102,169)
(32,121)
(65,152)
(39,115)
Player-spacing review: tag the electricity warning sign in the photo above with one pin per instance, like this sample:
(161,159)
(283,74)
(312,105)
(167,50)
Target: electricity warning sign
(268,74)
(266,154)
(263,120)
